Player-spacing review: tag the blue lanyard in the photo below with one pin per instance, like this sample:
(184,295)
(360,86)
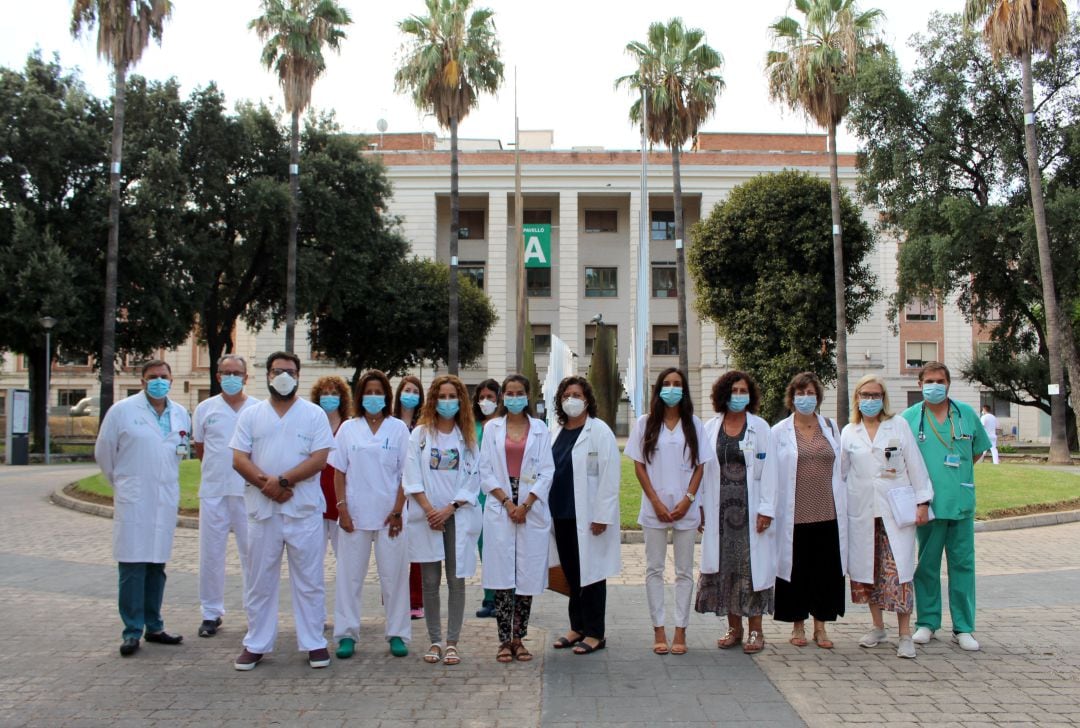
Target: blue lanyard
(959,420)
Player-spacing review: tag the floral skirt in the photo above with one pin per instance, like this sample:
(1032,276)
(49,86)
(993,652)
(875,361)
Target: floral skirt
(887,592)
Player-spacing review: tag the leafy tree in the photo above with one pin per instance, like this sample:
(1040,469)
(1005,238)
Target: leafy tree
(604,375)
(450,57)
(812,72)
(124,29)
(762,265)
(678,77)
(295,32)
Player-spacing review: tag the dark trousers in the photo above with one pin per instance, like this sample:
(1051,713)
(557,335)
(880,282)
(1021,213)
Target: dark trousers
(416,587)
(816,588)
(142,588)
(587,604)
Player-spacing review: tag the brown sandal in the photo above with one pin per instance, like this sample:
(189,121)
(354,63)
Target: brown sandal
(730,638)
(821,639)
(505,654)
(660,648)
(755,643)
(520,652)
(798,636)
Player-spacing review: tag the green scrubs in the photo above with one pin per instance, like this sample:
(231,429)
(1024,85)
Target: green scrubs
(961,438)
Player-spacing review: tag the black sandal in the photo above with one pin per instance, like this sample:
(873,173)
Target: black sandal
(563,642)
(584,648)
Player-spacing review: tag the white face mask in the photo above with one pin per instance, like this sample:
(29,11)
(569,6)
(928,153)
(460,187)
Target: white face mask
(487,407)
(283,384)
(573,407)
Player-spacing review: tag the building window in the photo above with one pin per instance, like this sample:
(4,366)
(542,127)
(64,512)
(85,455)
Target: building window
(920,352)
(998,407)
(202,357)
(914,397)
(665,340)
(590,336)
(662,225)
(601,282)
(69,397)
(921,310)
(64,359)
(471,225)
(203,395)
(541,338)
(474,270)
(664,281)
(601,221)
(536,217)
(131,392)
(538,282)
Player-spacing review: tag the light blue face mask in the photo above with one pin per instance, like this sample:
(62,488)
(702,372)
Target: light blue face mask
(231,383)
(515,405)
(738,402)
(373,404)
(329,402)
(671,395)
(805,404)
(158,388)
(447,408)
(871,407)
(934,392)
(409,400)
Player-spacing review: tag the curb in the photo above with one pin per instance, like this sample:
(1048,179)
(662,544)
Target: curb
(62,499)
(1031,521)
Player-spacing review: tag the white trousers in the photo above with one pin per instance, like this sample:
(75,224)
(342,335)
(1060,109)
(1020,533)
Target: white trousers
(331,529)
(655,556)
(218,516)
(303,541)
(392,564)
(993,451)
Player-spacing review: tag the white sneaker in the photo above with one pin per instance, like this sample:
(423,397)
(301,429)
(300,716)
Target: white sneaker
(906,648)
(872,638)
(966,641)
(922,635)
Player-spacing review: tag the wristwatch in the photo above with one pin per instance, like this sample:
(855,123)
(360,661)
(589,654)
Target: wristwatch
(455,504)
(283,482)
(690,496)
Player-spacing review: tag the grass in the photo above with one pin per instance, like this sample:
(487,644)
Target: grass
(96,485)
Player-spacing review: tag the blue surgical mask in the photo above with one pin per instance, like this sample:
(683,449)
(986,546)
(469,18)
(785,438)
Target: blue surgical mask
(515,405)
(671,395)
(738,402)
(158,388)
(806,403)
(934,392)
(373,404)
(447,408)
(231,383)
(329,402)
(409,400)
(871,407)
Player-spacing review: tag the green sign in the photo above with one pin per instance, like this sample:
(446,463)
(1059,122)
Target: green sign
(537,246)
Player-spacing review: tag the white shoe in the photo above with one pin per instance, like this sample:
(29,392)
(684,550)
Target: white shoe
(966,641)
(906,648)
(922,635)
(872,638)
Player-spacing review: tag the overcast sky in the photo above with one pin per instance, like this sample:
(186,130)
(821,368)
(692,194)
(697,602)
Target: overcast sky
(567,55)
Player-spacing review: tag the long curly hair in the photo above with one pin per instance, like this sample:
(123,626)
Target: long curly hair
(429,417)
(655,419)
(340,387)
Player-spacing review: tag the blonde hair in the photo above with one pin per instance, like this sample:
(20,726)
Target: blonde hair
(856,413)
(464,418)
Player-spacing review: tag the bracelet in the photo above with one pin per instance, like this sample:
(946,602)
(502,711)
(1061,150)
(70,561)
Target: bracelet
(340,503)
(528,505)
(503,501)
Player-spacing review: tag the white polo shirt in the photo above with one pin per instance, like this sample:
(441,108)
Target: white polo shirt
(669,470)
(372,464)
(213,426)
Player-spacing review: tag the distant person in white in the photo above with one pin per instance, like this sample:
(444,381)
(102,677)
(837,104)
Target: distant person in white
(990,424)
(221,489)
(280,447)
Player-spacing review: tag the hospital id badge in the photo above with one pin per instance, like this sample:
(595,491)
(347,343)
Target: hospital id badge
(952,460)
(181,450)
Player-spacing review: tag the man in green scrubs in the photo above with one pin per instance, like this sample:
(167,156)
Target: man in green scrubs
(950,437)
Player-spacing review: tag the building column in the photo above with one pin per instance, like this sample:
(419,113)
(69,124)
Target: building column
(500,287)
(711,360)
(570,328)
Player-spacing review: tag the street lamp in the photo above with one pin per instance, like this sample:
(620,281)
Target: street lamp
(47,323)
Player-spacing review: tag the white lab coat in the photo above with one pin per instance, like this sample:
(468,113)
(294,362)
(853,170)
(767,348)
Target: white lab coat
(516,556)
(597,476)
(863,464)
(787,462)
(425,544)
(761,498)
(143,467)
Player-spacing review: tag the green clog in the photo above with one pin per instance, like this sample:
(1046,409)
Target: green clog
(398,648)
(346,647)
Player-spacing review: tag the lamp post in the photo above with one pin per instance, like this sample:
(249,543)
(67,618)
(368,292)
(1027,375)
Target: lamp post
(47,323)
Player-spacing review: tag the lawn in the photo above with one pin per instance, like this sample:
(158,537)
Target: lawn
(189,485)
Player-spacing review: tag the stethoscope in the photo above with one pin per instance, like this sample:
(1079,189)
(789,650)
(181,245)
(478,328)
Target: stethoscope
(959,421)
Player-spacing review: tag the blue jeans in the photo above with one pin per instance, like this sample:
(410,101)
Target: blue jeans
(142,587)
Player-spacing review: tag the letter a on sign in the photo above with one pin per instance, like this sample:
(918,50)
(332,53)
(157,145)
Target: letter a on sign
(537,246)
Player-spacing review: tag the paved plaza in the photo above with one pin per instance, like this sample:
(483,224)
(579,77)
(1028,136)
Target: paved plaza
(60,631)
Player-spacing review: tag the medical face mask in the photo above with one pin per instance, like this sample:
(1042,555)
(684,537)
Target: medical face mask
(409,400)
(158,388)
(487,406)
(373,404)
(447,408)
(671,395)
(871,407)
(738,402)
(283,384)
(934,392)
(232,383)
(329,402)
(805,404)
(573,407)
(515,405)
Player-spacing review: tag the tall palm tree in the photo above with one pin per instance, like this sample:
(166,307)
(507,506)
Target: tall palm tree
(678,73)
(1019,29)
(294,33)
(450,57)
(812,72)
(124,29)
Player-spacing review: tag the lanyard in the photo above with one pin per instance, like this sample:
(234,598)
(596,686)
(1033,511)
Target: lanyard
(952,432)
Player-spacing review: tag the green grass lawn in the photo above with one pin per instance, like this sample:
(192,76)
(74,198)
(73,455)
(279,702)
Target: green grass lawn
(189,485)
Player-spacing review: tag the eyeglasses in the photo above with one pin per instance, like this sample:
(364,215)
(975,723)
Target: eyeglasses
(275,371)
(871,395)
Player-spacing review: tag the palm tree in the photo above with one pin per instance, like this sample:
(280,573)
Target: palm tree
(294,32)
(450,57)
(124,29)
(1019,29)
(677,75)
(813,72)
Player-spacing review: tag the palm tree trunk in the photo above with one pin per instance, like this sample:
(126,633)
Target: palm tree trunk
(112,250)
(455,220)
(838,284)
(1059,446)
(294,206)
(680,263)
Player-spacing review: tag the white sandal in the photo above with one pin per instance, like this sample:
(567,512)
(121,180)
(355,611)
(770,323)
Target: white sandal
(434,654)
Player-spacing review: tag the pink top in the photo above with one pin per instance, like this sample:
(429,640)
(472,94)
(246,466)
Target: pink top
(515,452)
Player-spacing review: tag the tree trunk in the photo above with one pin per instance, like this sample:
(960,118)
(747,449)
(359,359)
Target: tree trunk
(455,221)
(1059,445)
(680,266)
(112,250)
(838,285)
(294,206)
